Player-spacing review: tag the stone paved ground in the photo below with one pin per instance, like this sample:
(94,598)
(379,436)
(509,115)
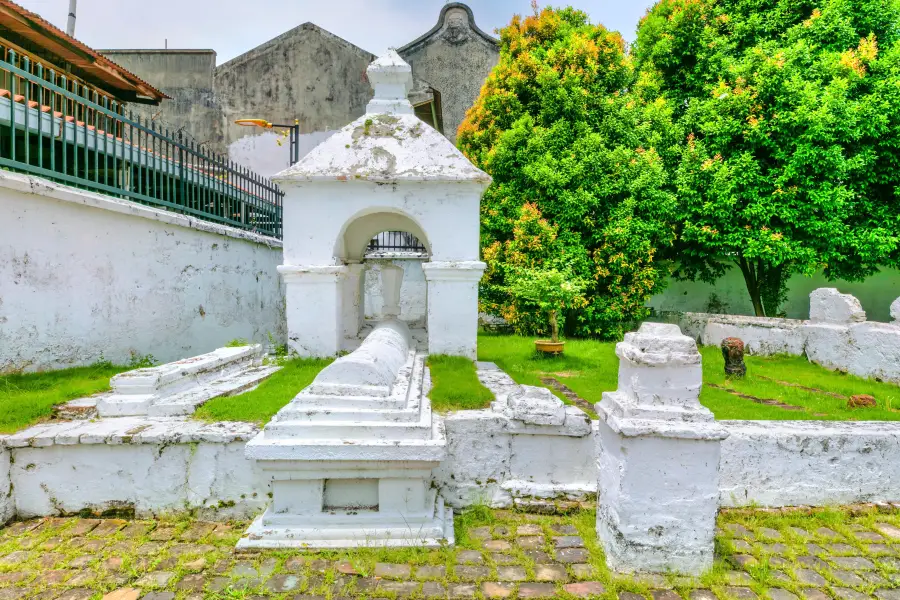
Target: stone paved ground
(500,554)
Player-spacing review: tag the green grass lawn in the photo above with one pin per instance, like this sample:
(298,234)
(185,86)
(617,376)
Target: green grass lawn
(261,404)
(29,398)
(765,377)
(455,385)
(590,368)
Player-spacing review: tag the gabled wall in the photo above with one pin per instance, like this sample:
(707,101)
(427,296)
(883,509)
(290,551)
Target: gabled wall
(455,57)
(306,74)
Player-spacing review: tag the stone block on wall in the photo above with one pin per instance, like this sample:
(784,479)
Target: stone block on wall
(828,305)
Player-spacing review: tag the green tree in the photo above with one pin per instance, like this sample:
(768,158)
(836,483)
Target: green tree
(552,291)
(569,145)
(791,115)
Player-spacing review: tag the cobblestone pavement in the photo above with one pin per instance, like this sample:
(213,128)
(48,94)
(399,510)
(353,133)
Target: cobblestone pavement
(500,554)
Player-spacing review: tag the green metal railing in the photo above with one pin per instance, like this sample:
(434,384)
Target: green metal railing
(47,130)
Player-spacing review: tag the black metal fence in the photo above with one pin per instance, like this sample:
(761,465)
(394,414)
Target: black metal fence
(66,136)
(394,243)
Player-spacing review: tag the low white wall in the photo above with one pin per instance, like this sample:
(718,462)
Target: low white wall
(789,463)
(837,336)
(492,459)
(85,275)
(413,291)
(153,466)
(164,465)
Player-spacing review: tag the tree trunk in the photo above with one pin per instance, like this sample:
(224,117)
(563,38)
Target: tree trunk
(554,327)
(752,280)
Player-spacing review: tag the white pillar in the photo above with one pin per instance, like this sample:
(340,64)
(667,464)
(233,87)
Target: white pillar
(658,458)
(391,280)
(354,299)
(453,307)
(314,308)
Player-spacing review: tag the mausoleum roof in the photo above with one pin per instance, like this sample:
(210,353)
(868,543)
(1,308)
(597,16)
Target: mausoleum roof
(387,144)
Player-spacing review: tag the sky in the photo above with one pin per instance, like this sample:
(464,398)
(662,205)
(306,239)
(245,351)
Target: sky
(232,27)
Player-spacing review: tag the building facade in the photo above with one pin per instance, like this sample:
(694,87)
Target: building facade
(310,77)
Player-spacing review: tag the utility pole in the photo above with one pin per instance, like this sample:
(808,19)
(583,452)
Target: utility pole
(70,26)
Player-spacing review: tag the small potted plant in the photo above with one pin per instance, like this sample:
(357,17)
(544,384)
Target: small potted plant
(553,291)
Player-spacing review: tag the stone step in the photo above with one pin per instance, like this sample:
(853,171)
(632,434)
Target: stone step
(324,414)
(379,530)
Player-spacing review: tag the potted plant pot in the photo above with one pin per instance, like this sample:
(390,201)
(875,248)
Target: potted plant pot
(549,346)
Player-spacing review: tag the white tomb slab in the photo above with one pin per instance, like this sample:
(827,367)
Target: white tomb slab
(658,460)
(351,456)
(178,388)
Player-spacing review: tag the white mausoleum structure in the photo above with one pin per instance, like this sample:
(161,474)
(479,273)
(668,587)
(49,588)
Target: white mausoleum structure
(386,171)
(658,464)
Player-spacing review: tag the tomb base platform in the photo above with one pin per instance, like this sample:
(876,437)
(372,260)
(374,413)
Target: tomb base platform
(352,529)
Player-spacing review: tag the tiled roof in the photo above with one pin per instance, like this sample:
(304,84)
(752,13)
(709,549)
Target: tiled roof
(90,64)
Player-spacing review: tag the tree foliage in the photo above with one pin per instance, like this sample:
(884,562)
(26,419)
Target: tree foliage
(578,167)
(791,116)
(551,290)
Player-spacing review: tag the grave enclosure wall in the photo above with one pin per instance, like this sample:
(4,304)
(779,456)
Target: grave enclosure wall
(47,471)
(87,276)
(836,336)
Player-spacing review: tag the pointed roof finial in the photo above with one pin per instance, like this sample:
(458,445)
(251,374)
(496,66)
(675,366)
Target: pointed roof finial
(391,78)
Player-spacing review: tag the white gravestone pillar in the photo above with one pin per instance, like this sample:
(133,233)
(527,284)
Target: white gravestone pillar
(453,307)
(658,458)
(314,296)
(391,280)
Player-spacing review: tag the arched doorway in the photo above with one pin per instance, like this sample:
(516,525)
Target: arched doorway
(403,250)
(371,243)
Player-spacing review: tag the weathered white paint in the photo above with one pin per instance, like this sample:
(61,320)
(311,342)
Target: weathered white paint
(351,455)
(386,171)
(261,153)
(761,335)
(836,337)
(522,447)
(413,298)
(7,502)
(658,458)
(86,275)
(818,463)
(453,307)
(168,465)
(179,388)
(152,465)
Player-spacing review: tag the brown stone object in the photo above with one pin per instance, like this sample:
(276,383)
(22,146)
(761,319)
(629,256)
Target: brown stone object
(733,353)
(861,401)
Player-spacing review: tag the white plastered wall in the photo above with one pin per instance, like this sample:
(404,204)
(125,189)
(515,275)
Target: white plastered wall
(152,478)
(7,503)
(85,275)
(789,463)
(444,216)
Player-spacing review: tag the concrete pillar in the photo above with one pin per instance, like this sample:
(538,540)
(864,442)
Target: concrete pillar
(658,458)
(354,299)
(315,319)
(453,307)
